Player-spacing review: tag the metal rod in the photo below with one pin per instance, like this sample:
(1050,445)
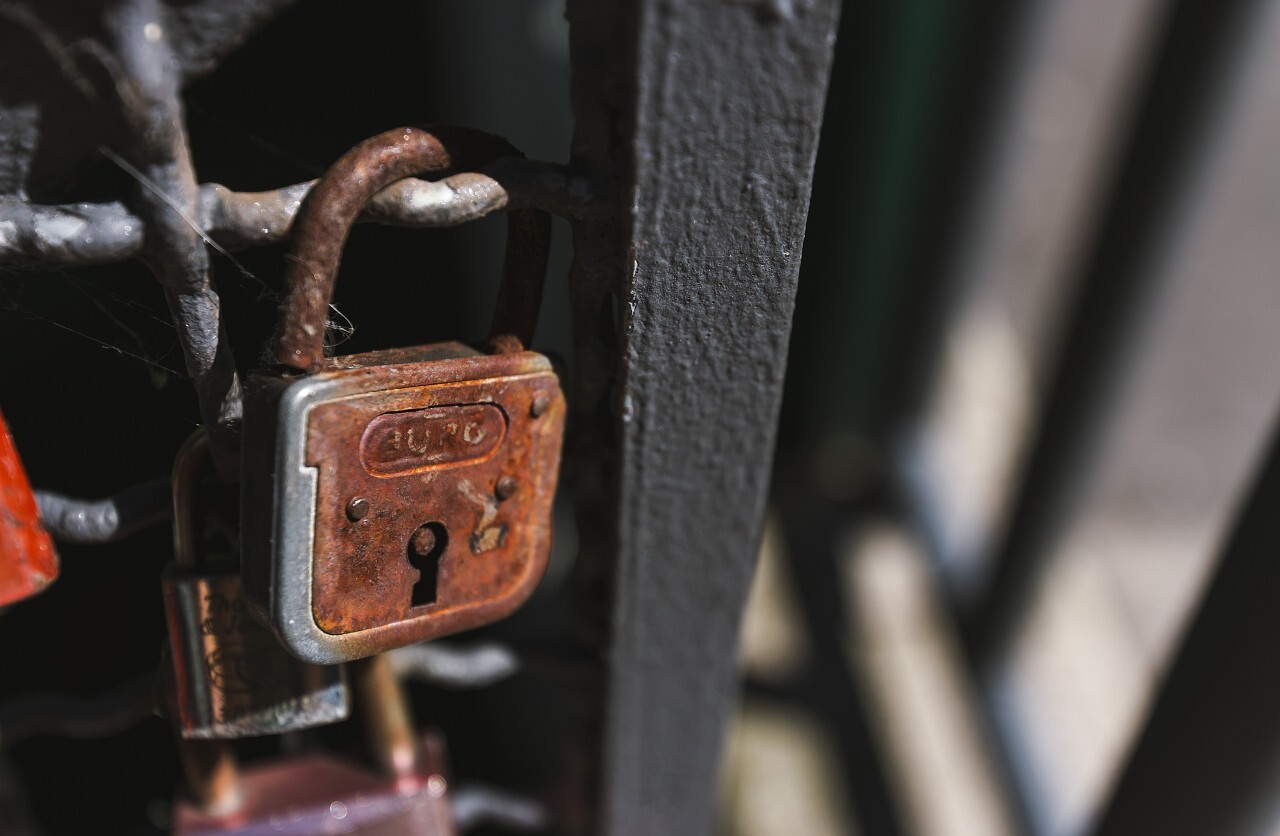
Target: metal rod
(98,521)
(476,805)
(213,775)
(326,216)
(455,668)
(174,249)
(99,233)
(382,703)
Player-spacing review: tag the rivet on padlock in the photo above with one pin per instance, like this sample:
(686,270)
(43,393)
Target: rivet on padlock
(399,495)
(28,562)
(231,676)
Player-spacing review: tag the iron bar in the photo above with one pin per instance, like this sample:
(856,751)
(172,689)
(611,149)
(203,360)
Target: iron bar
(99,233)
(455,668)
(175,251)
(706,118)
(475,805)
(386,713)
(96,521)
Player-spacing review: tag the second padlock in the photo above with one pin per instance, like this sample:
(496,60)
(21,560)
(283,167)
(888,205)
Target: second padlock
(230,676)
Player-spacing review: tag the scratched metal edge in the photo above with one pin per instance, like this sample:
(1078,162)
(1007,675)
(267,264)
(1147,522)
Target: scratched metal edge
(722,138)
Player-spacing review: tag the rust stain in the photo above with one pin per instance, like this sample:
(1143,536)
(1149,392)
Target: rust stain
(496,551)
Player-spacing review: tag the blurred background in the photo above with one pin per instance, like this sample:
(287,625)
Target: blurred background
(1030,405)
(1025,519)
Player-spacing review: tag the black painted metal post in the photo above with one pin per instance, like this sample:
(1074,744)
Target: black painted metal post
(705,117)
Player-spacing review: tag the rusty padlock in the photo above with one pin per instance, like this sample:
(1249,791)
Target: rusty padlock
(231,678)
(399,495)
(28,562)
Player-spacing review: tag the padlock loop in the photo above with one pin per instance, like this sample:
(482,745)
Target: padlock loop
(327,213)
(192,459)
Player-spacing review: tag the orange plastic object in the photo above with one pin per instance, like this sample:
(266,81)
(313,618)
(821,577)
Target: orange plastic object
(28,562)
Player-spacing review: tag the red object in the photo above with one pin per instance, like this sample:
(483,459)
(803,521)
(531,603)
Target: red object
(28,562)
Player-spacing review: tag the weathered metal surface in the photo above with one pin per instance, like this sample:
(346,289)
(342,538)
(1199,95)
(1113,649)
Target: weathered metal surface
(705,116)
(320,794)
(96,233)
(28,562)
(79,80)
(72,520)
(331,207)
(470,437)
(231,678)
(331,584)
(158,156)
(61,76)
(416,440)
(455,668)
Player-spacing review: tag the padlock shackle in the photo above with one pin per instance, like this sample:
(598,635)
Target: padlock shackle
(331,207)
(192,460)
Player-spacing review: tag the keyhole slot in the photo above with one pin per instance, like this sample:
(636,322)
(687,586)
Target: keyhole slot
(426,548)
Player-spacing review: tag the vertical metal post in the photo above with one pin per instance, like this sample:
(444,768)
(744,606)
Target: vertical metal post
(704,118)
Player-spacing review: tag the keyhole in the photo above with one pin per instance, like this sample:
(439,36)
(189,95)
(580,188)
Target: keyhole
(426,547)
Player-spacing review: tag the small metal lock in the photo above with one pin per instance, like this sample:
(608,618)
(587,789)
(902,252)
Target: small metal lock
(399,495)
(231,677)
(28,562)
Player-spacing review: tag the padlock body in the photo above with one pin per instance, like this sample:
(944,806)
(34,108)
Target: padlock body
(398,496)
(231,677)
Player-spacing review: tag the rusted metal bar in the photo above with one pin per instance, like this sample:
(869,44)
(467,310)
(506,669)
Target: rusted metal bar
(100,233)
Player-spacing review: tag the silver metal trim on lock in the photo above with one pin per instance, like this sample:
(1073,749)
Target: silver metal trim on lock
(294,527)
